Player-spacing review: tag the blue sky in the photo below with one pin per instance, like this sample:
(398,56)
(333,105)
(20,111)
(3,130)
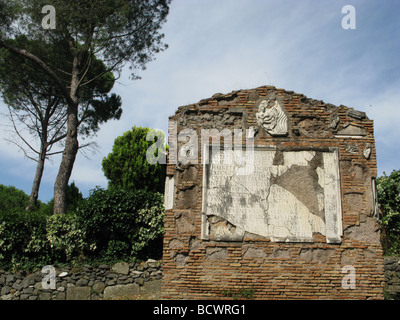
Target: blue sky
(225,45)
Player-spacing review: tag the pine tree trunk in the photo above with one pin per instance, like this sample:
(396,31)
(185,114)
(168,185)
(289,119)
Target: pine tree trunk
(38,178)
(67,163)
(71,145)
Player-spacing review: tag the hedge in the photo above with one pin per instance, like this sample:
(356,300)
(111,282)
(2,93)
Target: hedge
(109,225)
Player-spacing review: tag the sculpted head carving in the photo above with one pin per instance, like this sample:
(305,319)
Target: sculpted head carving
(272,119)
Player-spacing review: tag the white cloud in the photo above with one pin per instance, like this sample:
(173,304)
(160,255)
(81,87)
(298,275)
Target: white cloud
(225,45)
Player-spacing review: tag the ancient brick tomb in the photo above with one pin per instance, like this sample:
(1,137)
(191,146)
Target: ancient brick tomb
(274,193)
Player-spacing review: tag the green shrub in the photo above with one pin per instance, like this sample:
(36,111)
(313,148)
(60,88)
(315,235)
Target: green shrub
(127,166)
(388,189)
(12,199)
(23,239)
(122,223)
(74,197)
(117,250)
(65,236)
(109,225)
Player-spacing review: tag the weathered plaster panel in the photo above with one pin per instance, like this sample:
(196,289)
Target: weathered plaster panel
(286,196)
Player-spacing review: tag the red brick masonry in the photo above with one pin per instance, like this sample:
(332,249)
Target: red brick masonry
(205,269)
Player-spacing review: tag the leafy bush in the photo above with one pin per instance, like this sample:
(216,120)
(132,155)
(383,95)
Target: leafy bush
(12,199)
(23,239)
(74,197)
(127,167)
(117,249)
(122,223)
(66,236)
(108,225)
(388,189)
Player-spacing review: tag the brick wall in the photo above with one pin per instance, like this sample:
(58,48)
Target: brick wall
(195,268)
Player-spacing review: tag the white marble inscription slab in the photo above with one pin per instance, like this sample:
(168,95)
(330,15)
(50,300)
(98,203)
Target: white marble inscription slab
(169,192)
(287,196)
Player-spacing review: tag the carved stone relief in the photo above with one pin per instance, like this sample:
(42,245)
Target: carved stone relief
(367,152)
(272,119)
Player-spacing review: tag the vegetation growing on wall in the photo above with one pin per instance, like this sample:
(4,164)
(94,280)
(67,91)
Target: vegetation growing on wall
(388,188)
